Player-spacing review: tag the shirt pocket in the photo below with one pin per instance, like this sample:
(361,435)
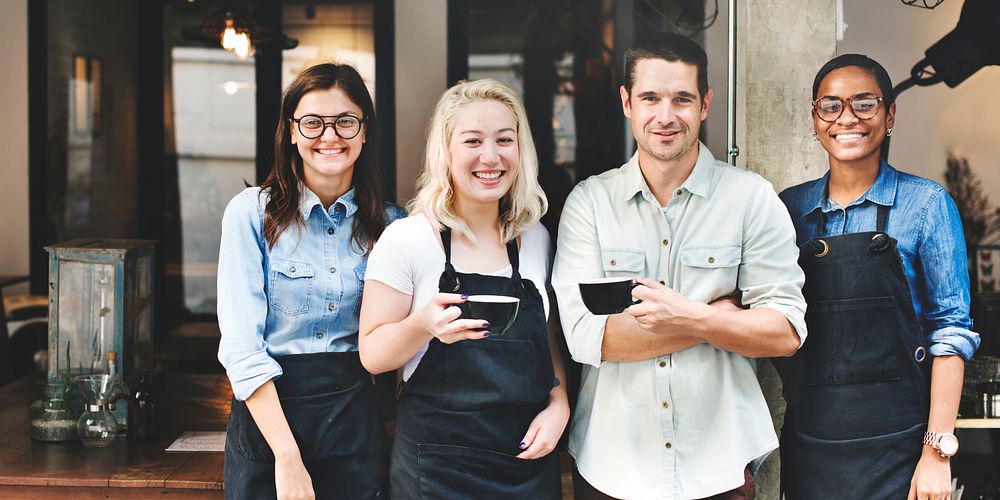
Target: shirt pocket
(290,289)
(710,272)
(359,273)
(622,262)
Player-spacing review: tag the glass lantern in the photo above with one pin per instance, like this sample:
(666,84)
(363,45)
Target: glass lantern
(100,302)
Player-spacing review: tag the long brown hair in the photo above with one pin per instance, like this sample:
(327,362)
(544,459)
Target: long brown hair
(286,178)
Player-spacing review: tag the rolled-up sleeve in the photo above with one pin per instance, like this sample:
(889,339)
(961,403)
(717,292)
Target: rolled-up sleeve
(242,303)
(769,274)
(578,257)
(943,266)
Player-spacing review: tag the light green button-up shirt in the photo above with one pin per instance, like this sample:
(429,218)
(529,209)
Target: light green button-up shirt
(683,425)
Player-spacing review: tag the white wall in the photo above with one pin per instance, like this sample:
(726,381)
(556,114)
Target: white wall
(421,77)
(14,139)
(929,120)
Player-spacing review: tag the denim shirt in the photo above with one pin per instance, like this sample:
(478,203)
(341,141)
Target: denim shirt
(301,296)
(925,222)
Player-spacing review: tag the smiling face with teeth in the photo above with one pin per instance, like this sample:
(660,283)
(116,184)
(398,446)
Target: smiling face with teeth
(850,141)
(328,161)
(483,153)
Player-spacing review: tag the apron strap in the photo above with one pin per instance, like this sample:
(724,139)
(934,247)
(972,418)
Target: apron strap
(881,218)
(514,259)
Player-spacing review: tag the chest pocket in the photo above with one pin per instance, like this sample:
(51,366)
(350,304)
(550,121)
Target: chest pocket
(359,272)
(290,286)
(710,272)
(622,262)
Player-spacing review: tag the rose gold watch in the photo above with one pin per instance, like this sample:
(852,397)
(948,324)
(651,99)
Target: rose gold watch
(945,443)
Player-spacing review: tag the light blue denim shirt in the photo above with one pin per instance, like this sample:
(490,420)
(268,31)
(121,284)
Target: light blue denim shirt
(925,222)
(301,296)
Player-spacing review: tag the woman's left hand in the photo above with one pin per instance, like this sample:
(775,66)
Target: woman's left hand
(545,430)
(932,479)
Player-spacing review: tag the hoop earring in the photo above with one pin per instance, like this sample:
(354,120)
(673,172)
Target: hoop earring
(888,132)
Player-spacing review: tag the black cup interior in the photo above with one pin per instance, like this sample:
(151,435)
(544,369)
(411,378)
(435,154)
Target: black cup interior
(499,310)
(607,295)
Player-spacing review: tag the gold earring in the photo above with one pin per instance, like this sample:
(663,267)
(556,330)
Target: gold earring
(888,132)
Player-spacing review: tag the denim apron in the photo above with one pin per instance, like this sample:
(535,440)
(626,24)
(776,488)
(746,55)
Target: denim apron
(466,407)
(858,390)
(330,403)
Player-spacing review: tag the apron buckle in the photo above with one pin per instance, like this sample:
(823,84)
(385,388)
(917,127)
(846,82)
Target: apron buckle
(920,354)
(823,250)
(879,243)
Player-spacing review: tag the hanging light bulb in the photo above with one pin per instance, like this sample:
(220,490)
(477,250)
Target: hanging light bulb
(229,35)
(242,45)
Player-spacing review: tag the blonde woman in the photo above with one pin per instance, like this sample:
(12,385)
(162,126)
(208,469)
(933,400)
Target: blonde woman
(479,412)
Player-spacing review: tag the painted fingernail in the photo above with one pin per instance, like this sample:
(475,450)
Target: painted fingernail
(465,297)
(486,334)
(522,445)
(486,324)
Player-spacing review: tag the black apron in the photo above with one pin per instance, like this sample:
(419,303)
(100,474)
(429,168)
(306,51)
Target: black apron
(466,407)
(330,403)
(858,390)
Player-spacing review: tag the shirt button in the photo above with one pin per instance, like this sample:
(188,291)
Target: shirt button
(668,445)
(711,260)
(291,269)
(332,306)
(666,242)
(329,231)
(663,282)
(678,192)
(333,269)
(319,335)
(614,262)
(663,364)
(666,405)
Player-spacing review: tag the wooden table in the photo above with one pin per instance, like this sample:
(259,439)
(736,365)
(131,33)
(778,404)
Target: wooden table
(126,469)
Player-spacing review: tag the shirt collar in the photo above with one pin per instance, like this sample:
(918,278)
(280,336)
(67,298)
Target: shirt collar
(881,192)
(699,182)
(310,200)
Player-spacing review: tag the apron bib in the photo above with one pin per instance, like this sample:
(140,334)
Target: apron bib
(331,406)
(466,407)
(858,390)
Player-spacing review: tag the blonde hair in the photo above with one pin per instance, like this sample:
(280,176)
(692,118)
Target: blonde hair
(525,202)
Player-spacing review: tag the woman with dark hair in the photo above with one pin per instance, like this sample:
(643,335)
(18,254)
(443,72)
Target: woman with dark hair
(873,393)
(305,422)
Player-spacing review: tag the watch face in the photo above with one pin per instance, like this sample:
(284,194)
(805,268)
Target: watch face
(948,445)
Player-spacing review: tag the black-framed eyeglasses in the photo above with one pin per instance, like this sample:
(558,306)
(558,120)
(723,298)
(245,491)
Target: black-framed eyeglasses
(313,126)
(864,106)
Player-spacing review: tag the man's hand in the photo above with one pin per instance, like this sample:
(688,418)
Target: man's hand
(664,311)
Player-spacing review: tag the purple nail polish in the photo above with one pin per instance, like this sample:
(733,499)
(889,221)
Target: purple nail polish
(465,297)
(522,445)
(486,324)
(486,334)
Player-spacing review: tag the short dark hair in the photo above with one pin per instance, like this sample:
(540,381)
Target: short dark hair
(861,61)
(670,47)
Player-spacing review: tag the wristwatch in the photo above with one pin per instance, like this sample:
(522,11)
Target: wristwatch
(945,443)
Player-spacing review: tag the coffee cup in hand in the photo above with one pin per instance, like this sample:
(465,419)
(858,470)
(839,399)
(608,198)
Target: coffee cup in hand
(608,295)
(497,310)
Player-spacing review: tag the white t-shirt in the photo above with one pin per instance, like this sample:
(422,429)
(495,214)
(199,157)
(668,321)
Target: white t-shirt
(408,257)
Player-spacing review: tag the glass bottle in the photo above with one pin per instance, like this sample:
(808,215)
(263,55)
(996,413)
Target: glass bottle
(144,425)
(97,427)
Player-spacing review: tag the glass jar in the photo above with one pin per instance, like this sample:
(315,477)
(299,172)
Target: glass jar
(97,426)
(53,418)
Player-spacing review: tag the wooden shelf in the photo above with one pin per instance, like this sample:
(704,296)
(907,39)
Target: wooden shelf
(977,423)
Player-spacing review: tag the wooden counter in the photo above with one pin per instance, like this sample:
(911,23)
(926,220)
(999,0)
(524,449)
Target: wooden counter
(127,468)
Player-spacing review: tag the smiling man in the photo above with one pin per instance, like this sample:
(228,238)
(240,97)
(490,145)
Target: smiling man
(669,403)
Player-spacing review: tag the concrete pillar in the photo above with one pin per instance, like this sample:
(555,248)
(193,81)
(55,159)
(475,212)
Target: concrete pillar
(781,44)
(421,77)
(14,141)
